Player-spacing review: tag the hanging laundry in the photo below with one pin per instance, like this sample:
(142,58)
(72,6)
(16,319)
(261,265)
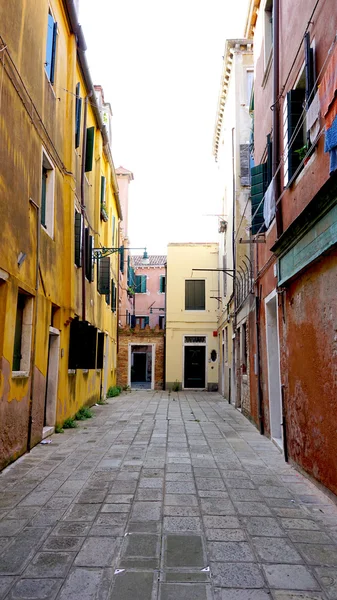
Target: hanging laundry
(269,205)
(312,116)
(328,87)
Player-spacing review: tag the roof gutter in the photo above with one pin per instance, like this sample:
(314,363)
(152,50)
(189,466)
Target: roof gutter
(81,48)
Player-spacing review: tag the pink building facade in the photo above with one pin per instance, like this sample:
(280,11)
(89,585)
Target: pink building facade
(126,299)
(149,297)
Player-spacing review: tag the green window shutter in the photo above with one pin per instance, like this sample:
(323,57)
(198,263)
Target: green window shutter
(195,294)
(309,70)
(162,284)
(121,259)
(78,238)
(114,296)
(258,188)
(113,231)
(295,140)
(104,275)
(89,263)
(100,350)
(143,284)
(269,159)
(146,321)
(43,195)
(18,333)
(89,154)
(78,112)
(53,56)
(138,285)
(103,188)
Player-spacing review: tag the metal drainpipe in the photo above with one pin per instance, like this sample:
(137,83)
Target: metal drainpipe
(33,352)
(84,257)
(164,357)
(234,267)
(276,120)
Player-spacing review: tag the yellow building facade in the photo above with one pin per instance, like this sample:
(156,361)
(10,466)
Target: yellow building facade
(192,309)
(59,206)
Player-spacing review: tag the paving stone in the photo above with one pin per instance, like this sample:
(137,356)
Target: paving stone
(5,584)
(293,513)
(214,507)
(245,495)
(47,517)
(171,591)
(239,483)
(116,508)
(299,524)
(147,527)
(146,511)
(291,577)
(276,550)
(265,526)
(293,595)
(208,473)
(72,529)
(132,586)
(180,500)
(186,577)
(151,483)
(222,522)
(15,557)
(230,551)
(203,483)
(123,487)
(327,577)
(49,564)
(91,496)
(10,527)
(179,487)
(223,594)
(178,468)
(254,509)
(22,512)
(98,552)
(273,491)
(308,536)
(35,589)
(149,494)
(231,575)
(57,542)
(318,554)
(182,524)
(225,535)
(87,584)
(81,512)
(184,551)
(109,524)
(141,545)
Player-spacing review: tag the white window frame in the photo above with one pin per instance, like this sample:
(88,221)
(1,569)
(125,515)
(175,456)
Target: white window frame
(26,336)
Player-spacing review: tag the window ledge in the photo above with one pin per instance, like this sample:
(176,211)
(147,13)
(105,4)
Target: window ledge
(85,370)
(20,374)
(71,371)
(50,84)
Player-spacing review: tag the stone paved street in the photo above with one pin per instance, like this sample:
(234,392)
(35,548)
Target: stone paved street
(170,497)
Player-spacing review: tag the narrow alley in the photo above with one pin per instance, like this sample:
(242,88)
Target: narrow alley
(164,496)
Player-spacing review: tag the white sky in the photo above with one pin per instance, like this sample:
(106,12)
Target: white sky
(160,66)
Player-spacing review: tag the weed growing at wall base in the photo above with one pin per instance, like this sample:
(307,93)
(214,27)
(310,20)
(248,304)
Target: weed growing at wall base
(83,413)
(113,391)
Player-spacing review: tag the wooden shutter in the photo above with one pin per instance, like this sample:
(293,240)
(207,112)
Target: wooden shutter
(146,321)
(162,284)
(195,295)
(100,350)
(78,112)
(104,275)
(89,153)
(121,259)
(103,188)
(295,130)
(78,238)
(143,284)
(114,296)
(133,321)
(138,286)
(43,195)
(269,159)
(309,70)
(113,231)
(53,54)
(89,263)
(244,164)
(258,188)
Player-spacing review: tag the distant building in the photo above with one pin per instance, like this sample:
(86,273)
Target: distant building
(192,309)
(126,296)
(149,299)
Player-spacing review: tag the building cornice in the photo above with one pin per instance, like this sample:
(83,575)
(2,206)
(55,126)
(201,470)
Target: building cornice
(253,11)
(232,47)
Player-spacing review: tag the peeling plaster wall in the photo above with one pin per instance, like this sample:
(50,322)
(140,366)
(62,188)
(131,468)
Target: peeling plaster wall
(309,367)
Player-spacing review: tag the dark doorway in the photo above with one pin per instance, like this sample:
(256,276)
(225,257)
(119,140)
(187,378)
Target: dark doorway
(138,372)
(194,367)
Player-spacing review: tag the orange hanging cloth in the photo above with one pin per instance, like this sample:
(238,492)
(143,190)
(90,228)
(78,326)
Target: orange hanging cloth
(328,87)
